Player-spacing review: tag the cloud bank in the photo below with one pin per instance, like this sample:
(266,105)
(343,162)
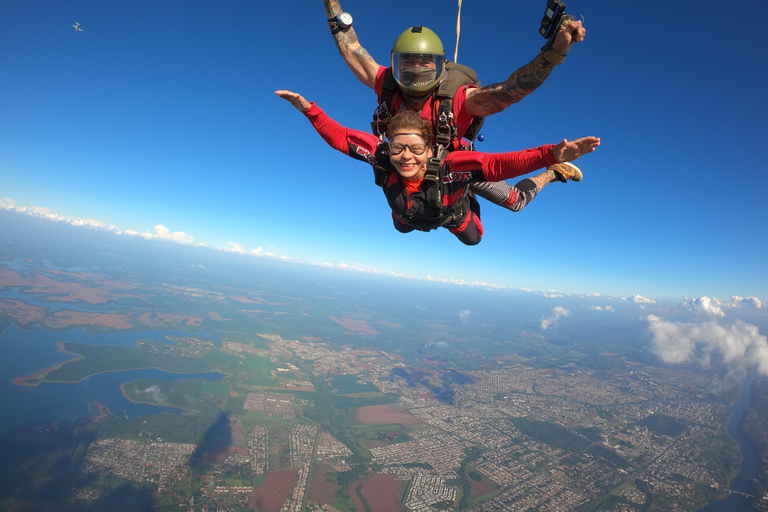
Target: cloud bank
(740,345)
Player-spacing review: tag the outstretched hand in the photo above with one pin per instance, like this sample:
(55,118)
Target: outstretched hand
(567,151)
(569,32)
(295,99)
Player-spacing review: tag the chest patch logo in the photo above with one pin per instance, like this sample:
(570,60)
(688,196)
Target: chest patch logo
(457,176)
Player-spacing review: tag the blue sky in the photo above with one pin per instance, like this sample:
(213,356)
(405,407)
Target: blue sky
(163,114)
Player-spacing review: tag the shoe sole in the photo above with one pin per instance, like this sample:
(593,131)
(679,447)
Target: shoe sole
(577,175)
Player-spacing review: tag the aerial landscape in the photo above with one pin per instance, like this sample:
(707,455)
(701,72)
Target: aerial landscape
(214,299)
(183,379)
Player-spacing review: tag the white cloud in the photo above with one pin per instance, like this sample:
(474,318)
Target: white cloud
(432,344)
(557,312)
(6,203)
(750,301)
(94,224)
(464,315)
(163,233)
(236,248)
(596,308)
(740,344)
(711,307)
(358,267)
(154,393)
(610,308)
(642,300)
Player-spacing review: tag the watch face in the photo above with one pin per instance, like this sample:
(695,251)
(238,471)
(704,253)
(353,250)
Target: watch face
(345,19)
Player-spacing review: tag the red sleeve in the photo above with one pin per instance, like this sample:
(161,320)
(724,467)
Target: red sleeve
(337,136)
(502,166)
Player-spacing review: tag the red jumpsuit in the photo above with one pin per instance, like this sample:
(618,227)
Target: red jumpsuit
(459,169)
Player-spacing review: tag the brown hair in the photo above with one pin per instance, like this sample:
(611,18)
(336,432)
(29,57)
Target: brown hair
(409,119)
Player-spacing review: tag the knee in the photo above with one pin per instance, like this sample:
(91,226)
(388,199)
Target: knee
(469,232)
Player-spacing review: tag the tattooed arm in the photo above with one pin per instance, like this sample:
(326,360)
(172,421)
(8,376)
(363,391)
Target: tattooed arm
(356,57)
(494,98)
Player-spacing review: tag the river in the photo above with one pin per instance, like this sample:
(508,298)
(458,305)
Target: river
(744,481)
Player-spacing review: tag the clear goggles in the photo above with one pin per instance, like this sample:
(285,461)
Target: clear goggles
(397,144)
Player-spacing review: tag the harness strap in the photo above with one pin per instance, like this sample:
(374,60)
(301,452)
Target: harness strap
(382,114)
(450,220)
(380,170)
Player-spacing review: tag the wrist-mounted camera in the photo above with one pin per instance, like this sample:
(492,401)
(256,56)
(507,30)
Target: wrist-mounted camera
(552,16)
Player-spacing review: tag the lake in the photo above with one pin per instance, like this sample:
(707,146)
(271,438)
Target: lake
(24,353)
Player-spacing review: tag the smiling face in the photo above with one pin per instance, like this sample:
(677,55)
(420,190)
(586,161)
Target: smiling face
(403,148)
(409,134)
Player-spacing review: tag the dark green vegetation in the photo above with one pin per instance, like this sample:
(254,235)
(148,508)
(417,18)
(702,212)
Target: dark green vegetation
(251,370)
(108,358)
(591,433)
(348,385)
(384,433)
(472,454)
(601,452)
(195,416)
(552,435)
(663,425)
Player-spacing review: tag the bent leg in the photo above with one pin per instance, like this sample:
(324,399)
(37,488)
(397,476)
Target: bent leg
(512,198)
(470,230)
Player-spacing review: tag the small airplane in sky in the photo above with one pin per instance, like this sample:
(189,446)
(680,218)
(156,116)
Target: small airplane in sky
(77,27)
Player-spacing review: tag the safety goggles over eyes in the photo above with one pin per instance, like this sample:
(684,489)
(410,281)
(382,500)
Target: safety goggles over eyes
(417,148)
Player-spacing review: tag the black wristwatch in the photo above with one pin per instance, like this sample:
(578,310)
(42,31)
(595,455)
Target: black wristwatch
(340,22)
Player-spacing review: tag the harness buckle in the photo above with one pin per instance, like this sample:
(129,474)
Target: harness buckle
(446,129)
(381,117)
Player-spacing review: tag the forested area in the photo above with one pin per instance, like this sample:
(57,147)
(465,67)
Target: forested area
(95,359)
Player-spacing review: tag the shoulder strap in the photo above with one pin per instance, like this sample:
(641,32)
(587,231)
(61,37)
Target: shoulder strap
(381,168)
(432,186)
(456,76)
(383,112)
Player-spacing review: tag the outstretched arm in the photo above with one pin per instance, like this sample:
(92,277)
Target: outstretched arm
(496,97)
(358,145)
(503,166)
(295,99)
(568,151)
(357,58)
